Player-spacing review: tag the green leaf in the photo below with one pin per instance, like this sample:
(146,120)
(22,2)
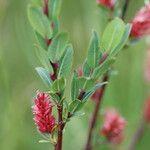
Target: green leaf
(123,41)
(112,34)
(74,105)
(98,85)
(39,21)
(45,75)
(57,47)
(79,107)
(66,62)
(54,8)
(86,69)
(43,57)
(55,98)
(78,114)
(85,84)
(41,40)
(74,87)
(93,56)
(102,68)
(58,85)
(44,141)
(87,95)
(36,2)
(66,105)
(56,26)
(92,90)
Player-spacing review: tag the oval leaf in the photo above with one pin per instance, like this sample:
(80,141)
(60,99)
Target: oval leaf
(45,76)
(102,68)
(58,85)
(74,87)
(39,21)
(66,62)
(112,34)
(57,47)
(93,56)
(54,8)
(43,57)
(123,41)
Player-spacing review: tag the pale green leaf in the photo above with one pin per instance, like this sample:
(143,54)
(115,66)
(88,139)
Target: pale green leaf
(43,57)
(44,141)
(122,42)
(39,21)
(54,8)
(66,62)
(58,85)
(41,40)
(74,105)
(55,98)
(91,91)
(57,47)
(102,68)
(74,87)
(112,34)
(93,51)
(86,69)
(45,75)
(85,84)
(36,2)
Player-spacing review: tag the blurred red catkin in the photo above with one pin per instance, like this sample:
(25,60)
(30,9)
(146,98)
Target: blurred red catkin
(42,111)
(147,66)
(113,127)
(141,22)
(107,3)
(147,110)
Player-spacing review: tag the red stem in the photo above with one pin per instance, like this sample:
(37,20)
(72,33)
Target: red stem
(102,91)
(95,114)
(60,128)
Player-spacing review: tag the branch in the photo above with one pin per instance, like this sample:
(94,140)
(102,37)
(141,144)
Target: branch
(95,114)
(102,91)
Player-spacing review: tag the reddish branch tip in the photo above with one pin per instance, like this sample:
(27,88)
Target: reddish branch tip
(141,22)
(48,41)
(42,111)
(147,110)
(45,7)
(80,71)
(113,127)
(55,68)
(107,3)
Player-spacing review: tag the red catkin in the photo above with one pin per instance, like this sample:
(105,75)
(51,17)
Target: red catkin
(113,126)
(141,22)
(107,3)
(42,111)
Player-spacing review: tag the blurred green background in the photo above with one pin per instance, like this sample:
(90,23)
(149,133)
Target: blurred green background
(19,81)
